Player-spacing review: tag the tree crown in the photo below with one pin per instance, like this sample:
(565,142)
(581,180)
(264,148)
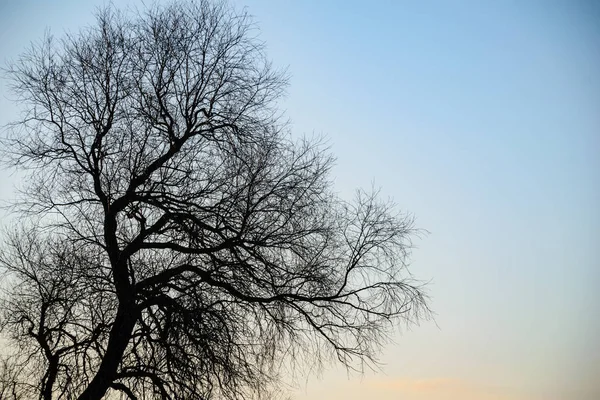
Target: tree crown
(181,242)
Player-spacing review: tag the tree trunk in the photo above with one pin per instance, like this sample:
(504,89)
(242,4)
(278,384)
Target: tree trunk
(117,343)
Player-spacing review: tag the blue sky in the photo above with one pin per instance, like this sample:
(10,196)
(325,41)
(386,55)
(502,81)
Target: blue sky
(483,119)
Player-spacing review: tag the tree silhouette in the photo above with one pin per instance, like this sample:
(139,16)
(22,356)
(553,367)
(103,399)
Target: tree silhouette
(175,241)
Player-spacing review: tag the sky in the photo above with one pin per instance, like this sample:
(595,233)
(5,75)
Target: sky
(482,118)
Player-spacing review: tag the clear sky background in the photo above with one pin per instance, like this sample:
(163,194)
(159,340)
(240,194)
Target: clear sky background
(483,119)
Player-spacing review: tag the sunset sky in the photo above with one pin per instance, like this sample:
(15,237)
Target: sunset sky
(482,118)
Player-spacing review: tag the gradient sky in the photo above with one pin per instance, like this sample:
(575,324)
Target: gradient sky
(483,119)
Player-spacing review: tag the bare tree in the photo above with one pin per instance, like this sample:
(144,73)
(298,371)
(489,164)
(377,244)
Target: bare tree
(177,242)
